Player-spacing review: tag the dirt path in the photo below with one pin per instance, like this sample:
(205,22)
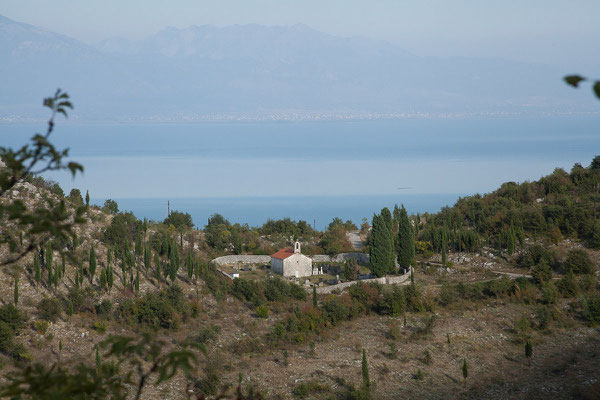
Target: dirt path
(355,240)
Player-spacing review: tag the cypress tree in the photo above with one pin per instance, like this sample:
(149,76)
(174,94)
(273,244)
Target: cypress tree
(381,251)
(70,308)
(444,248)
(465,370)
(92,270)
(147,255)
(157,263)
(138,245)
(63,266)
(365,370)
(77,278)
(110,277)
(36,267)
(528,351)
(103,279)
(16,290)
(49,259)
(190,264)
(137,281)
(406,241)
(87,198)
(50,277)
(75,240)
(314,296)
(108,256)
(98,360)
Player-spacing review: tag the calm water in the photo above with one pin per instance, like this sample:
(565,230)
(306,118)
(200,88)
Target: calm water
(313,170)
(257,210)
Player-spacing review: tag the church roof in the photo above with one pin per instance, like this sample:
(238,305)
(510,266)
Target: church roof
(283,254)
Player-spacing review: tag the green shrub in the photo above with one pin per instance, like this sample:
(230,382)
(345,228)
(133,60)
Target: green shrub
(262,311)
(12,316)
(448,294)
(305,389)
(549,293)
(591,309)
(164,309)
(41,326)
(81,299)
(579,262)
(100,326)
(49,309)
(543,316)
(206,334)
(104,308)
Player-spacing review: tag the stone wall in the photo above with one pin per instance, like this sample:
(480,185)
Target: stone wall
(360,258)
(242,259)
(386,280)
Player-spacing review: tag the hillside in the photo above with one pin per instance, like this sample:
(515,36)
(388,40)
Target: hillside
(493,272)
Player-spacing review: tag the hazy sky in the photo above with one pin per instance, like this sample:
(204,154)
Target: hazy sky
(559,32)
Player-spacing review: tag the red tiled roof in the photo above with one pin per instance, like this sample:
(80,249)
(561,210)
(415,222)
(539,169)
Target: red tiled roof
(283,254)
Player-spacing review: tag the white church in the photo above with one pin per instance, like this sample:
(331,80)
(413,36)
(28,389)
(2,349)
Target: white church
(291,263)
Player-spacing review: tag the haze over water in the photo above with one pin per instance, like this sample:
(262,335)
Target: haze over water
(313,170)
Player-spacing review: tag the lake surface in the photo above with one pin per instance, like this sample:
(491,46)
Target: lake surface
(312,170)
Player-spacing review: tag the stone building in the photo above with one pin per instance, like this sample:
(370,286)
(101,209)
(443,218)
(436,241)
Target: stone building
(288,262)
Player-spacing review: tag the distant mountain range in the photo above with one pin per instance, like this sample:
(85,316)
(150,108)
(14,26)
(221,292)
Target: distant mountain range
(251,71)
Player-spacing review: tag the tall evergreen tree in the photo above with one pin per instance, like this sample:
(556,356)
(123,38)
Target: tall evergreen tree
(110,277)
(87,198)
(103,279)
(406,241)
(93,265)
(36,267)
(465,370)
(444,249)
(365,370)
(138,246)
(108,256)
(381,245)
(157,264)
(49,259)
(314,297)
(137,280)
(528,351)
(147,255)
(16,290)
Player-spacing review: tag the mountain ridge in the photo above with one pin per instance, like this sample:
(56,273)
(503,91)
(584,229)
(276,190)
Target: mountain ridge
(269,70)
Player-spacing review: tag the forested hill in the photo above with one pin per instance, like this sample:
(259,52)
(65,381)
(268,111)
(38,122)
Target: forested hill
(558,206)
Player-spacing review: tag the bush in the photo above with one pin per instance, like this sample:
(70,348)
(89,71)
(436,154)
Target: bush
(82,299)
(262,311)
(206,334)
(164,309)
(11,320)
(104,307)
(49,309)
(41,326)
(448,294)
(579,262)
(543,316)
(549,293)
(591,309)
(305,389)
(100,326)
(12,316)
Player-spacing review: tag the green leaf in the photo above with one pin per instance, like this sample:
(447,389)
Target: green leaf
(574,80)
(596,88)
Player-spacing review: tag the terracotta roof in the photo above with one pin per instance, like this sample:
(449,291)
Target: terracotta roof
(283,254)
